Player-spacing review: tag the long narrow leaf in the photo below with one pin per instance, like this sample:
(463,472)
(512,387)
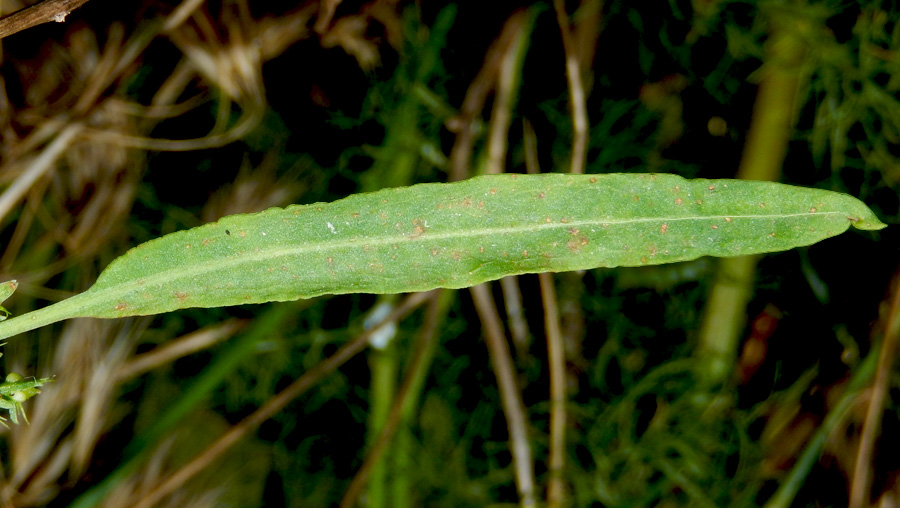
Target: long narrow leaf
(456,235)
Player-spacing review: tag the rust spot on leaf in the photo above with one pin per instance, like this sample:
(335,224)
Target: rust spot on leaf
(812,210)
(122,306)
(181,296)
(418,228)
(664,228)
(678,201)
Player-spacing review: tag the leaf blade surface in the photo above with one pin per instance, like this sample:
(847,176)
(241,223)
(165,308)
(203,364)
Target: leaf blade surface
(458,235)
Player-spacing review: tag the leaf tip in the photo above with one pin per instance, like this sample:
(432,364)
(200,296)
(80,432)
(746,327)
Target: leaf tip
(867,222)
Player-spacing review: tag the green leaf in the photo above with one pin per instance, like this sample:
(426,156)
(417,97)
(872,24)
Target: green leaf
(6,290)
(457,235)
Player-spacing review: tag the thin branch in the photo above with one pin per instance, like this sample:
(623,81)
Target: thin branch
(38,14)
(556,488)
(510,395)
(577,97)
(465,123)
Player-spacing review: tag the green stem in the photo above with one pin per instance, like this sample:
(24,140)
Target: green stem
(59,311)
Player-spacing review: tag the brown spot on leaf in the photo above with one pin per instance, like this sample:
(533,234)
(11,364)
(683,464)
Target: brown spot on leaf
(714,226)
(181,296)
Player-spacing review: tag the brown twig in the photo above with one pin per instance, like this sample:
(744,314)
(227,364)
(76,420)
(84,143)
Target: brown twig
(38,14)
(860,484)
(556,487)
(577,96)
(464,124)
(510,395)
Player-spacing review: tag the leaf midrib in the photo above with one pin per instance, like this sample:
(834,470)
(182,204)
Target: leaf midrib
(275,252)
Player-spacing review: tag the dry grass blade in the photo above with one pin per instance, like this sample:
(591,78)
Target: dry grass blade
(860,484)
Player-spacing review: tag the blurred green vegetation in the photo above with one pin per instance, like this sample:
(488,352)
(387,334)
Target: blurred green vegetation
(378,97)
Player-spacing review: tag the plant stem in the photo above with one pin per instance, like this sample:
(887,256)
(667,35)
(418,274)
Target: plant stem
(510,395)
(556,488)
